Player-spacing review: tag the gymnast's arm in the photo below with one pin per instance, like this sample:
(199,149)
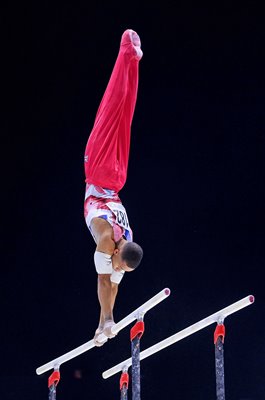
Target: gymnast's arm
(103,233)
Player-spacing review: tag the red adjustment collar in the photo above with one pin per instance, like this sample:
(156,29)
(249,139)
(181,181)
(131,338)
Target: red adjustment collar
(124,380)
(54,378)
(219,332)
(137,330)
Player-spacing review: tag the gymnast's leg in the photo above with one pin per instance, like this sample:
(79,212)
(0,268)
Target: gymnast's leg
(107,150)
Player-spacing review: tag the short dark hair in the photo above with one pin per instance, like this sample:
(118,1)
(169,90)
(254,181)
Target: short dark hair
(132,254)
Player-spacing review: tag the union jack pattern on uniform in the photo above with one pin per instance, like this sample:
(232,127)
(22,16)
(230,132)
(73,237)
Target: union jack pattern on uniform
(97,204)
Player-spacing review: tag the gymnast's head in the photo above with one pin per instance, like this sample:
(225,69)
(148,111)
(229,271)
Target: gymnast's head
(127,256)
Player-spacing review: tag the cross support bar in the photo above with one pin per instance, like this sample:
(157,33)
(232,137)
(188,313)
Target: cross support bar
(115,329)
(218,317)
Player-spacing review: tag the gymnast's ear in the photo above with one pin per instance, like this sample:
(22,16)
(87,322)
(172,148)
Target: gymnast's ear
(116,251)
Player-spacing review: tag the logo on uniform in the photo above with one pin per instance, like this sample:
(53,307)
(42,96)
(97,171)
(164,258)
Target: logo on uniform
(86,158)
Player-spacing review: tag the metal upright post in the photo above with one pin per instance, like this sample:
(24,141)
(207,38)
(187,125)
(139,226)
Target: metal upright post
(190,330)
(136,334)
(219,335)
(53,381)
(124,383)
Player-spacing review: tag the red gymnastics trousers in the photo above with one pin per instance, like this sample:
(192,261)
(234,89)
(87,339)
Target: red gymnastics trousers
(107,149)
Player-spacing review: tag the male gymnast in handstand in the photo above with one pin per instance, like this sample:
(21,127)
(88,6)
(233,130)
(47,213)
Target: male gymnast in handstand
(106,163)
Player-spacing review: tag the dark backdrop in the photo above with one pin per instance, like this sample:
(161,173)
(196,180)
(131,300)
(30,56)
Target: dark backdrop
(194,195)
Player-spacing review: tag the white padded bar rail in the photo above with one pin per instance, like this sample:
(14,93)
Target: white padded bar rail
(218,317)
(115,329)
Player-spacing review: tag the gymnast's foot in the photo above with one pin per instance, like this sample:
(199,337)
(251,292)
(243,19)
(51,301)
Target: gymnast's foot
(135,39)
(131,37)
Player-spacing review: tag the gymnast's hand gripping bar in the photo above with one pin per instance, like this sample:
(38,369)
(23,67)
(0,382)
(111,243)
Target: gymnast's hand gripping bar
(115,329)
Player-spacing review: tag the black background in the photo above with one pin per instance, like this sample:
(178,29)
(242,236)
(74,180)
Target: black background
(194,194)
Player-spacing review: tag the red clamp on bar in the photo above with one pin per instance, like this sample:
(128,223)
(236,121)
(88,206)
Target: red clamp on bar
(124,380)
(54,378)
(137,330)
(219,331)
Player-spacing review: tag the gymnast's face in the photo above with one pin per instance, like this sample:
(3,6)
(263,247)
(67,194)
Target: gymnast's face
(118,263)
